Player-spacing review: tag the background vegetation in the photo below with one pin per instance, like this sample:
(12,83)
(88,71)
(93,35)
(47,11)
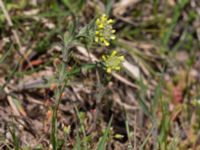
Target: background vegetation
(55,95)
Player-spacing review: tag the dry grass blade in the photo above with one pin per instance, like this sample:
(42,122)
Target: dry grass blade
(12,104)
(16,36)
(123,5)
(117,99)
(132,69)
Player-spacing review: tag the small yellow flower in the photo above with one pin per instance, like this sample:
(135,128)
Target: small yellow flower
(112,62)
(104,31)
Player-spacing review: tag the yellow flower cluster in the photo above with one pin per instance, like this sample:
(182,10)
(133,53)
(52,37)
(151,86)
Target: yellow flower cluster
(112,62)
(104,31)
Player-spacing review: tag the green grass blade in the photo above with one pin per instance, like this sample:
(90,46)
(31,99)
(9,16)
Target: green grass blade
(177,12)
(54,130)
(15,140)
(78,142)
(141,101)
(146,139)
(3,58)
(102,142)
